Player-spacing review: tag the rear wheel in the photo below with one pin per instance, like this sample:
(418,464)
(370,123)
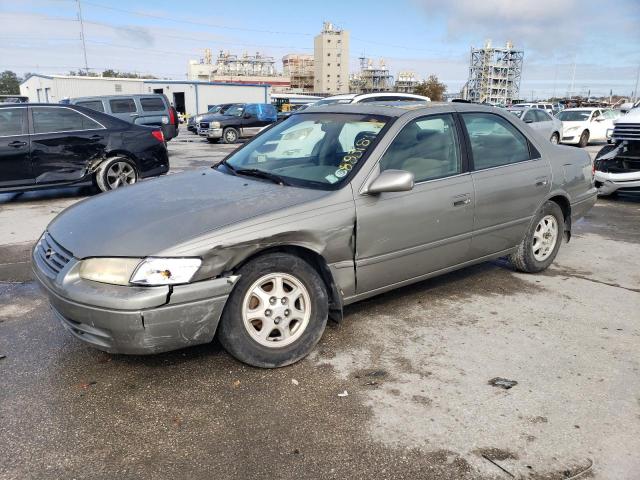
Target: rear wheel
(541,243)
(276,313)
(230,135)
(584,139)
(555,138)
(114,173)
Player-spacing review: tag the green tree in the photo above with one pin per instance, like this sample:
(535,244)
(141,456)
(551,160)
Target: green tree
(9,83)
(431,88)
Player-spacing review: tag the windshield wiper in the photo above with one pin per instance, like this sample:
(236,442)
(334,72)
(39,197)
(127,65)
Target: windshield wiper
(254,172)
(227,165)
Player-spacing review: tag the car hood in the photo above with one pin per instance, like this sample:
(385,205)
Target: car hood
(158,214)
(567,123)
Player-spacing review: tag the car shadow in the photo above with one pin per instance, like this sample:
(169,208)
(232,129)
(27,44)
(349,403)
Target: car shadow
(61,193)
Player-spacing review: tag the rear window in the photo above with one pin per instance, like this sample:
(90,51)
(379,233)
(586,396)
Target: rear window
(152,104)
(122,105)
(58,119)
(93,105)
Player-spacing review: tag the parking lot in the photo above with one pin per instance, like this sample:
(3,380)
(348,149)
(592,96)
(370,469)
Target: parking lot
(400,389)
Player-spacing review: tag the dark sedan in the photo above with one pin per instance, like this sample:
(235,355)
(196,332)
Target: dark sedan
(46,145)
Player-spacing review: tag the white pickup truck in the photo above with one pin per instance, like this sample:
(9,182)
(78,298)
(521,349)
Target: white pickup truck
(617,166)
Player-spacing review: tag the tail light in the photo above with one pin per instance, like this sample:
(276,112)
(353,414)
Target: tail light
(172,116)
(158,135)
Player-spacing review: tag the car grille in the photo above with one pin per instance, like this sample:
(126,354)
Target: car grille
(626,131)
(52,255)
(204,124)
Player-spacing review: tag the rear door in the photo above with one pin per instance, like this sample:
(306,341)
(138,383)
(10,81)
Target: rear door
(15,165)
(510,180)
(63,143)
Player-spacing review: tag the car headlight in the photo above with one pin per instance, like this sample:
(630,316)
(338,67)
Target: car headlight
(116,271)
(148,271)
(214,125)
(165,271)
(609,133)
(572,129)
(198,118)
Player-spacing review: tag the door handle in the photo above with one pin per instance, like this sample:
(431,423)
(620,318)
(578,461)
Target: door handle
(134,115)
(542,182)
(17,144)
(461,200)
(96,137)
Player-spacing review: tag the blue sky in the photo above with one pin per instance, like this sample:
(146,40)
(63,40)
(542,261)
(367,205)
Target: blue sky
(427,36)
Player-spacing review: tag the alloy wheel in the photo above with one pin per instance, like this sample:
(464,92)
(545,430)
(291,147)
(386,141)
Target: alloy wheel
(545,237)
(120,174)
(276,310)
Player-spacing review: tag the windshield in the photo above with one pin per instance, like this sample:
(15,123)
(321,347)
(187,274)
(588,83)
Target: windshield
(332,101)
(574,115)
(315,150)
(235,110)
(518,112)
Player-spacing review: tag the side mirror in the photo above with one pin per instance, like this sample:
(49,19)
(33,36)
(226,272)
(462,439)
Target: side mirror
(392,181)
(246,115)
(528,120)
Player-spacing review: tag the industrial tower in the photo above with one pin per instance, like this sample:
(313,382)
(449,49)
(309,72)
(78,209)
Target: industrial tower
(494,74)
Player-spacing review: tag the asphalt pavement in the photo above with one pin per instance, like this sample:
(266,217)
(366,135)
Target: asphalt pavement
(400,389)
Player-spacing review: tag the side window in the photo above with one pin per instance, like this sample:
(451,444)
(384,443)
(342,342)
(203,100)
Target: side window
(11,121)
(529,117)
(427,147)
(251,109)
(494,141)
(52,120)
(122,105)
(542,116)
(93,105)
(152,104)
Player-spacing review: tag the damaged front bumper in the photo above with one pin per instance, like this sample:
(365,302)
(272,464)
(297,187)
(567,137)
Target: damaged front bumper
(129,319)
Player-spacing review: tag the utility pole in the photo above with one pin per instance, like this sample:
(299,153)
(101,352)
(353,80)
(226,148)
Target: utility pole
(635,90)
(573,76)
(84,45)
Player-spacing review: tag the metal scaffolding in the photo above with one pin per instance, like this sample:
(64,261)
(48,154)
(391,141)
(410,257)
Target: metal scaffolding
(245,65)
(371,79)
(494,74)
(300,69)
(406,82)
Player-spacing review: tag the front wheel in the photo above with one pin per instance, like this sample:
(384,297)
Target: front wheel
(541,243)
(230,135)
(276,313)
(584,139)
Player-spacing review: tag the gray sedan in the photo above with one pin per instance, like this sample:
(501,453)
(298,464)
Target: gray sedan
(330,206)
(540,120)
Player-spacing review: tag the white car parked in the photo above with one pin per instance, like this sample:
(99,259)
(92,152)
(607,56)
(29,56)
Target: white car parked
(583,125)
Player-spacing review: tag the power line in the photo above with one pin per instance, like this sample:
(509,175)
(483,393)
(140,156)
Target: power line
(84,46)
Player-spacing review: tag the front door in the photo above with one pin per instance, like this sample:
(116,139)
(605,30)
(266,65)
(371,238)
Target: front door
(510,181)
(15,166)
(402,236)
(250,125)
(63,143)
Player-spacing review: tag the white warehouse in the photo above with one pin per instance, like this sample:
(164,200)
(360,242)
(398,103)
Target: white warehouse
(188,97)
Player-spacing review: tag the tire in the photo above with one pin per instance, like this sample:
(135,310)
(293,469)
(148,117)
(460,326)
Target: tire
(524,259)
(584,139)
(104,176)
(230,135)
(555,138)
(243,337)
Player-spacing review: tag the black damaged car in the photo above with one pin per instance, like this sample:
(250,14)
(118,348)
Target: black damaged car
(50,145)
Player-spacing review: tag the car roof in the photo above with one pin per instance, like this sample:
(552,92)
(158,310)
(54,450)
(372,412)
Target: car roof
(591,109)
(24,105)
(398,109)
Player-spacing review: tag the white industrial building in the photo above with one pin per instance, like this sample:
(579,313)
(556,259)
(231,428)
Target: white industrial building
(188,97)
